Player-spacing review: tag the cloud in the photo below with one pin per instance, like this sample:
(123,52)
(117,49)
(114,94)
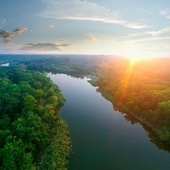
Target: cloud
(6,35)
(166,13)
(159,32)
(51,26)
(147,39)
(19,30)
(93,38)
(152,46)
(138,34)
(45,46)
(136,25)
(153,33)
(84,10)
(41,47)
(90,37)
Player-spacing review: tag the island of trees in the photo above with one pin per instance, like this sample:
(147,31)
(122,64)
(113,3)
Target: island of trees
(32,134)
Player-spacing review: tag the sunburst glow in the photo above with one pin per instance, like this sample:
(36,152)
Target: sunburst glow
(135,58)
(127,77)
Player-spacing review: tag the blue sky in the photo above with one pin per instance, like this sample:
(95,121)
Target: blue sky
(117,27)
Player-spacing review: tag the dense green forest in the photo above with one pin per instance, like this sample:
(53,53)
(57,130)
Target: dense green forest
(72,65)
(32,134)
(141,89)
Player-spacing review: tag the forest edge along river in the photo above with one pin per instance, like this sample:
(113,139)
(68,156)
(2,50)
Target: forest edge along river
(102,138)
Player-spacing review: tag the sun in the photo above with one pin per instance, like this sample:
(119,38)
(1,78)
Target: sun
(134,59)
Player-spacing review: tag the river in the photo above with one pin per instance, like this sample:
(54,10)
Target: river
(102,139)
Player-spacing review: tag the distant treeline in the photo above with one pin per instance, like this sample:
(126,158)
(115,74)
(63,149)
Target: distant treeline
(67,65)
(75,65)
(32,135)
(141,89)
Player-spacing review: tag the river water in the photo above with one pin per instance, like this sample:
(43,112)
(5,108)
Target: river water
(102,139)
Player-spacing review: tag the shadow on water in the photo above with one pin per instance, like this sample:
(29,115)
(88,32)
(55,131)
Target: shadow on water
(154,138)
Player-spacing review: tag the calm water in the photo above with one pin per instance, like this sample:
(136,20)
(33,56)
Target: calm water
(102,138)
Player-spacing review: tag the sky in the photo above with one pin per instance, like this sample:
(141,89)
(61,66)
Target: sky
(111,27)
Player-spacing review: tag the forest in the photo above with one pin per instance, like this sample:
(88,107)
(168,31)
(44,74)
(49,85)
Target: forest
(32,134)
(140,88)
(74,65)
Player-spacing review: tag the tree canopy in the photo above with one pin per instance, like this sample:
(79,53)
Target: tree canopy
(32,134)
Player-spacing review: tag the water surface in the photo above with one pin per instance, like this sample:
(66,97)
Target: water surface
(102,139)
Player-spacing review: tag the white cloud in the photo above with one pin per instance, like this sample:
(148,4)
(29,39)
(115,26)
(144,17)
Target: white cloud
(51,26)
(159,32)
(166,13)
(153,33)
(84,10)
(136,25)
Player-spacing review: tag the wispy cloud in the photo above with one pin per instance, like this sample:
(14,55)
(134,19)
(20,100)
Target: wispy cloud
(166,13)
(153,33)
(151,46)
(137,34)
(147,39)
(159,32)
(45,46)
(84,10)
(136,25)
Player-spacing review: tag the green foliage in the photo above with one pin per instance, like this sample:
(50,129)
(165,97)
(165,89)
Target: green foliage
(93,81)
(77,66)
(32,134)
(14,155)
(164,106)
